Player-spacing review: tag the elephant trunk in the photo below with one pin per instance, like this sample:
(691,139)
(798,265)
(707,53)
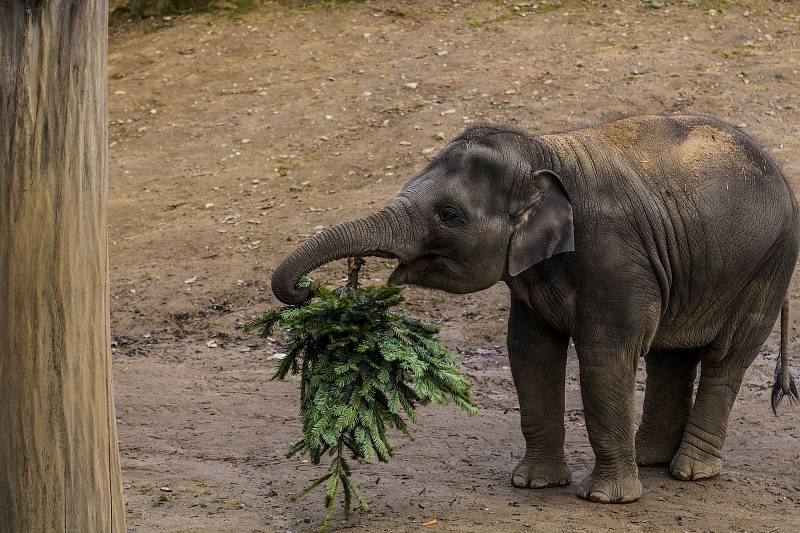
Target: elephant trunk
(387,233)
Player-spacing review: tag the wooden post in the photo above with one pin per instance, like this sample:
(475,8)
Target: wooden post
(59,461)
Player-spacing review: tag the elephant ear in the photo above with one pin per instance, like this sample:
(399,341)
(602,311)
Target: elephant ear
(543,225)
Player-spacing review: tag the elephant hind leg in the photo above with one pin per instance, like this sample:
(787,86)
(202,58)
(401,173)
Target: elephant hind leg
(700,453)
(667,404)
(722,368)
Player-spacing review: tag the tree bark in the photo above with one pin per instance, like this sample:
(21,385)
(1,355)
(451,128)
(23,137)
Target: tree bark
(59,461)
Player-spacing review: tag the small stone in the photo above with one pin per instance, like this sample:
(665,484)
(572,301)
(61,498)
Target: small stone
(212,344)
(190,280)
(438,136)
(404,143)
(209,205)
(412,85)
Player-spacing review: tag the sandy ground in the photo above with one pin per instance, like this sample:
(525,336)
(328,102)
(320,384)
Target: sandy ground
(232,141)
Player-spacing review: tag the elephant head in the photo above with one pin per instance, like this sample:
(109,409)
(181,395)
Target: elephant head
(481,211)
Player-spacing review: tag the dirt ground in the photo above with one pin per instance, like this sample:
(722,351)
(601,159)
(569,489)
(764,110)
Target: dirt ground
(233,140)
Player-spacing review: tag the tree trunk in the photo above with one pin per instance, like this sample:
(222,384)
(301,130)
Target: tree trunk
(59,462)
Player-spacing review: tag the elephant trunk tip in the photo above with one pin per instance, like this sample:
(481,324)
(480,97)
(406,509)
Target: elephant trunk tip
(294,298)
(380,234)
(286,290)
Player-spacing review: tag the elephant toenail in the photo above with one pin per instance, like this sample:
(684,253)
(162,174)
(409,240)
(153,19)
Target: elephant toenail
(680,474)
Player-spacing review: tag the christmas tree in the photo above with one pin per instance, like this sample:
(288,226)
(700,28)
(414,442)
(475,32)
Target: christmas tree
(363,369)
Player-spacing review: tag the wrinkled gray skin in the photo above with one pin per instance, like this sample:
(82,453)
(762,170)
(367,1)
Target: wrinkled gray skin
(669,237)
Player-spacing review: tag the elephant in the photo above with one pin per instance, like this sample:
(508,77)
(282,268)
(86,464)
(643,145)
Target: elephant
(668,237)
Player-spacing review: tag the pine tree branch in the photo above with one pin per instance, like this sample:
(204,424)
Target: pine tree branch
(364,369)
(354,265)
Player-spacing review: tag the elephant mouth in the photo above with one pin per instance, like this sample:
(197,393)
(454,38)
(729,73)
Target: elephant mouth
(385,254)
(440,273)
(412,271)
(399,275)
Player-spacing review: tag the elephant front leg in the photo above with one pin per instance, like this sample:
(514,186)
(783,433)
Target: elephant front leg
(538,363)
(607,388)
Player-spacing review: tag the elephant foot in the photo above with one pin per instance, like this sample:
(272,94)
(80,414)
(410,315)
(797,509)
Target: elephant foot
(691,463)
(655,451)
(534,474)
(603,489)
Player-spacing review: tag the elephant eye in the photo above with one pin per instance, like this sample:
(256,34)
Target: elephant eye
(450,216)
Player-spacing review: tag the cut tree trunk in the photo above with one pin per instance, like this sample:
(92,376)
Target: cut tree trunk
(59,461)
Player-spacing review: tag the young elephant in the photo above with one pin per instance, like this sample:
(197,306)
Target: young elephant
(669,237)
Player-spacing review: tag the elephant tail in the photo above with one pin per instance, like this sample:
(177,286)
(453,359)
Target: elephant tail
(784,381)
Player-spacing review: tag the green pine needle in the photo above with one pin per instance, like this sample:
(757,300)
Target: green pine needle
(363,369)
